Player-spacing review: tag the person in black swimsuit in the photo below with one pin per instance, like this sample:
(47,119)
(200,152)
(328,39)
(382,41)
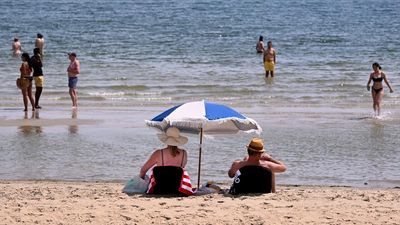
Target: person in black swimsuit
(377,88)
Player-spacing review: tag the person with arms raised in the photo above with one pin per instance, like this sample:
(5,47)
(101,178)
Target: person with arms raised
(256,172)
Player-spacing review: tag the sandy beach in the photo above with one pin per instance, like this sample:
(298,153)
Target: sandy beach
(61,202)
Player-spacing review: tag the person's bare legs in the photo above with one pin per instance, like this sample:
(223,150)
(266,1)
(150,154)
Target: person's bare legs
(268,72)
(374,102)
(38,92)
(31,98)
(25,98)
(74,98)
(378,101)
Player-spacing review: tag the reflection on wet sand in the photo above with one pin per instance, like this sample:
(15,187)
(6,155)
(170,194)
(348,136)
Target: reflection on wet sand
(29,129)
(377,129)
(269,80)
(73,128)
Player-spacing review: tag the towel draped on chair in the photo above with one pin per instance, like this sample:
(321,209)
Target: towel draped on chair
(170,180)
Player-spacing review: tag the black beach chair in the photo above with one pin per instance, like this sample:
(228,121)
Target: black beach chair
(252,179)
(168,179)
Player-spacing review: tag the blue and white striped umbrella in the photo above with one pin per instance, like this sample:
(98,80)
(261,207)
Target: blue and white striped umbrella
(203,117)
(208,117)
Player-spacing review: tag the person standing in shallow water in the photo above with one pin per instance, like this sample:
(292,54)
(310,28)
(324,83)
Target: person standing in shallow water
(36,62)
(26,81)
(39,43)
(16,47)
(73,72)
(269,60)
(377,87)
(260,45)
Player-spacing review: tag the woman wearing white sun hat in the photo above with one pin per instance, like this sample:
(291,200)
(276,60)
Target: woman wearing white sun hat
(171,155)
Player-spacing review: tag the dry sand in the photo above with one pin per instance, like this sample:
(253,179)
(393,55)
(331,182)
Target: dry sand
(60,202)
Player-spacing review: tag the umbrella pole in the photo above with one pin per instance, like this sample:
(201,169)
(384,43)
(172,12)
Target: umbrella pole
(201,143)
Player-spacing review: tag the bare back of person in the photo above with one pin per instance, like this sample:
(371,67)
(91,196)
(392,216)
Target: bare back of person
(16,47)
(165,158)
(260,47)
(39,43)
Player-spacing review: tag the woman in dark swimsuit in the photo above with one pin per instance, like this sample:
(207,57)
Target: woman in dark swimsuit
(377,88)
(170,155)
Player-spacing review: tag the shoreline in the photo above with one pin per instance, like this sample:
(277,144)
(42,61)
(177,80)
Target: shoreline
(82,202)
(85,140)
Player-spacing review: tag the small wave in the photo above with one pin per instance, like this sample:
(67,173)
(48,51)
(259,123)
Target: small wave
(331,40)
(155,99)
(120,78)
(92,98)
(147,93)
(384,116)
(130,87)
(105,94)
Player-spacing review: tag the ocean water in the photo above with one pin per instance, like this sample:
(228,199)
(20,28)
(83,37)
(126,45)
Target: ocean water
(139,58)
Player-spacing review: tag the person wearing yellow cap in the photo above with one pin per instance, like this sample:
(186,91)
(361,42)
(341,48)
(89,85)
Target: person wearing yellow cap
(258,157)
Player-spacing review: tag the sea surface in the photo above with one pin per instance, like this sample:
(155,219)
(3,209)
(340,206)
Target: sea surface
(141,57)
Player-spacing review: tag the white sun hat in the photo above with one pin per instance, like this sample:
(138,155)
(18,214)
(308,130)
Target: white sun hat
(172,137)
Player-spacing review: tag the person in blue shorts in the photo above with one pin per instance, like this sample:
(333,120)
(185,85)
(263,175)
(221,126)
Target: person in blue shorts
(73,72)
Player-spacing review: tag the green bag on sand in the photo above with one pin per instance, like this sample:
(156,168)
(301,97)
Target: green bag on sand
(136,185)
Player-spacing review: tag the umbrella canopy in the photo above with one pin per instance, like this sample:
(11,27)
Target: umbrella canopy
(211,118)
(202,117)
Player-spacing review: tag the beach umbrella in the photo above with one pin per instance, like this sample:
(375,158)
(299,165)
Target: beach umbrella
(202,117)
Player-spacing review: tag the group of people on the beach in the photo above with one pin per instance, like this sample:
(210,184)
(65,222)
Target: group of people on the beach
(35,64)
(258,162)
(30,64)
(377,76)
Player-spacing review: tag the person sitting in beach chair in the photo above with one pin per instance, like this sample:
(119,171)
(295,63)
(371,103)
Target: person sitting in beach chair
(252,179)
(256,172)
(168,175)
(167,179)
